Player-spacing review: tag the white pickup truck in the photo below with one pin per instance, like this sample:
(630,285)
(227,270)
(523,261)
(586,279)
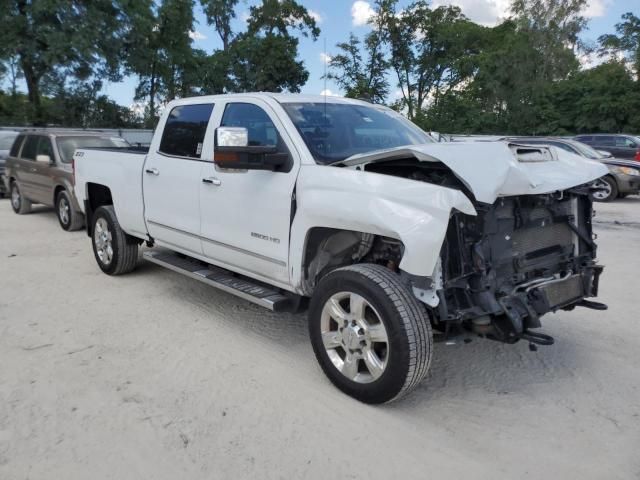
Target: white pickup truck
(351,211)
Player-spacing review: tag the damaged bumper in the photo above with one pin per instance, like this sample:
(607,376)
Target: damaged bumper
(521,258)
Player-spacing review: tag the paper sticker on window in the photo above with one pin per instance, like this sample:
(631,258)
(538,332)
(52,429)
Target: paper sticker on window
(199,149)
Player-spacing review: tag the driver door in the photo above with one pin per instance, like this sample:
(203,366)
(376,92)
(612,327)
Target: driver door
(246,214)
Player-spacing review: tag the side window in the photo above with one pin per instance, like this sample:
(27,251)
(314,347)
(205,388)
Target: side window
(45,148)
(262,131)
(184,131)
(15,148)
(605,140)
(585,139)
(30,148)
(625,142)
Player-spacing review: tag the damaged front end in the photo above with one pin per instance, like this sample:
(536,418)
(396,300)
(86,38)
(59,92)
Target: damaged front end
(521,257)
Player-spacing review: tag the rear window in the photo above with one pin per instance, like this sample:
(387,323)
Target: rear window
(15,149)
(184,131)
(68,145)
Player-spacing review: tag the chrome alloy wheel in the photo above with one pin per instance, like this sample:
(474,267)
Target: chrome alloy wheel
(354,337)
(604,190)
(15,198)
(102,239)
(64,210)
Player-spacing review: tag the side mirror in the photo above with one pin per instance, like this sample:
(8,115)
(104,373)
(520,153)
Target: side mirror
(232,150)
(604,153)
(44,159)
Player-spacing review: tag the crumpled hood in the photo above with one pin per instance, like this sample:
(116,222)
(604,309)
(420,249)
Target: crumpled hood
(498,169)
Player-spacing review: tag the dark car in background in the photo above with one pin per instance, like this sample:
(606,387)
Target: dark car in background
(619,145)
(624,175)
(39,170)
(7,138)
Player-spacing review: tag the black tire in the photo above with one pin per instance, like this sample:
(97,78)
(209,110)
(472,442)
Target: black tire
(19,204)
(407,325)
(124,248)
(70,220)
(611,193)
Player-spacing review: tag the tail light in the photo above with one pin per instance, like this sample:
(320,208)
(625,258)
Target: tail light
(73,171)
(637,157)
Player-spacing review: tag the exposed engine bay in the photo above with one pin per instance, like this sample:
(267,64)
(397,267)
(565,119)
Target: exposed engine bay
(500,271)
(520,258)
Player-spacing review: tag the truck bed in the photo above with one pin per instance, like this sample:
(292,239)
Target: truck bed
(121,170)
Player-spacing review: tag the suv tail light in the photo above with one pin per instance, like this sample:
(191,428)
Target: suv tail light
(637,157)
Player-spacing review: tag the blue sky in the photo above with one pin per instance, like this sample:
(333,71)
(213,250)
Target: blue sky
(336,18)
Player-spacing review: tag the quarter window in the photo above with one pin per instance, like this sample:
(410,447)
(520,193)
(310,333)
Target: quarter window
(625,142)
(184,131)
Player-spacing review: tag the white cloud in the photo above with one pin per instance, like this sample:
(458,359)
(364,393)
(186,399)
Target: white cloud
(329,93)
(596,8)
(324,58)
(196,35)
(315,15)
(361,12)
(484,12)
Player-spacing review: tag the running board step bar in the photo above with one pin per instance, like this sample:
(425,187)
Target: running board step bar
(222,279)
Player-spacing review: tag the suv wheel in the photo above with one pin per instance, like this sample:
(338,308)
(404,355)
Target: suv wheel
(607,189)
(115,251)
(69,219)
(19,204)
(370,335)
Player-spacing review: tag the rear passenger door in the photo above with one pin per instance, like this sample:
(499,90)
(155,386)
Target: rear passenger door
(42,172)
(26,169)
(172,176)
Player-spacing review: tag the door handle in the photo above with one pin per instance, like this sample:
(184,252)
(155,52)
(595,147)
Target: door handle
(33,170)
(212,181)
(153,171)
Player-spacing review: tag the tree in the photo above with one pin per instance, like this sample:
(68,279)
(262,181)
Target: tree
(627,40)
(76,37)
(219,13)
(160,53)
(358,77)
(264,58)
(430,49)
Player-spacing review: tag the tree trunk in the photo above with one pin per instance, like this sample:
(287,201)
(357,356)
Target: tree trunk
(33,88)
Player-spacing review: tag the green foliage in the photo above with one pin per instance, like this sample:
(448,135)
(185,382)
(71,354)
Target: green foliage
(627,40)
(65,49)
(358,77)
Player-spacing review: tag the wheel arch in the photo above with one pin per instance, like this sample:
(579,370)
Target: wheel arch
(97,195)
(326,249)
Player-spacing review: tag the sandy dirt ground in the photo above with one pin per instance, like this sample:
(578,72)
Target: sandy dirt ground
(155,376)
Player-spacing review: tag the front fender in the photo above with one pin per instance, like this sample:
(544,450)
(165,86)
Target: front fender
(414,212)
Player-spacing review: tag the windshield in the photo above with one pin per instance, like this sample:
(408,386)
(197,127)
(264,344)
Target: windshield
(335,131)
(587,151)
(6,141)
(68,145)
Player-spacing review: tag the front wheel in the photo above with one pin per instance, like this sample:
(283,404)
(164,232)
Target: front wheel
(19,204)
(115,251)
(370,335)
(69,219)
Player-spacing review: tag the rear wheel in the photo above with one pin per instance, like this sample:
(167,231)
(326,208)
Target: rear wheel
(19,204)
(69,219)
(370,335)
(114,250)
(607,189)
